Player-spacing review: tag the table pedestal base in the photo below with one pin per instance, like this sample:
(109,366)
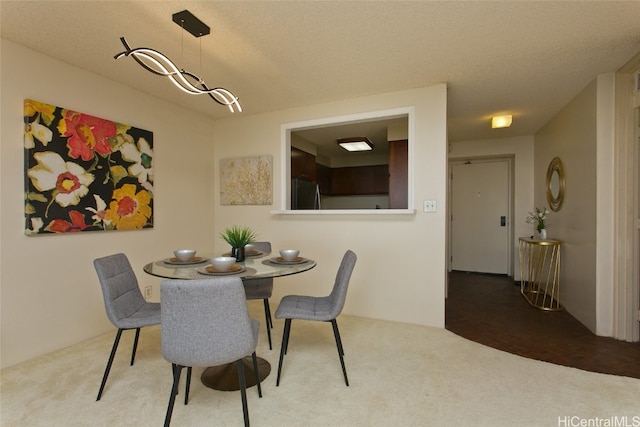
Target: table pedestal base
(225,377)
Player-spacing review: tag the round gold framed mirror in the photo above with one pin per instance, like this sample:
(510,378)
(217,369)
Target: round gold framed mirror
(555,184)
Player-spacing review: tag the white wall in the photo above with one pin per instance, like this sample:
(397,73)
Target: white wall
(400,273)
(605,225)
(50,297)
(627,216)
(521,148)
(578,135)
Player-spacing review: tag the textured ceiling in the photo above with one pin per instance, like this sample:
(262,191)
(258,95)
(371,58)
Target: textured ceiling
(525,58)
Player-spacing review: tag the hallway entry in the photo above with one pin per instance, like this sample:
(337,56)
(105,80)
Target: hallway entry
(480,216)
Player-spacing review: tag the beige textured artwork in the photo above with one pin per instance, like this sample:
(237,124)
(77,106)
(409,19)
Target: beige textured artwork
(246,181)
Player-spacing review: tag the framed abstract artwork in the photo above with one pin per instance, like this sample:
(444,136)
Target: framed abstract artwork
(246,181)
(84,173)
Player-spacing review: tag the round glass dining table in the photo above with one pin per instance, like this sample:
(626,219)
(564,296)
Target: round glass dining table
(255,266)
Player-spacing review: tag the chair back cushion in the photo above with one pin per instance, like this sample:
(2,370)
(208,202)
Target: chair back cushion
(122,296)
(205,322)
(338,294)
(262,246)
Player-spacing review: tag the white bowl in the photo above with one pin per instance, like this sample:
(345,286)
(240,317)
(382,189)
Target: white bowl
(184,254)
(289,254)
(223,263)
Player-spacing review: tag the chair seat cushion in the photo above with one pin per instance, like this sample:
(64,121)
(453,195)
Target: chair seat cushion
(147,315)
(305,307)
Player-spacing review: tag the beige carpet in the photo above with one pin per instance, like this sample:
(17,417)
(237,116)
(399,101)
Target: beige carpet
(400,375)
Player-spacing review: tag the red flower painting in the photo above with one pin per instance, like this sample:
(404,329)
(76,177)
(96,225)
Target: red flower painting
(86,134)
(84,173)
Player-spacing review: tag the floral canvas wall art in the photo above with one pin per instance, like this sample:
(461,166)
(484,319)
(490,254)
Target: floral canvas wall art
(246,181)
(84,173)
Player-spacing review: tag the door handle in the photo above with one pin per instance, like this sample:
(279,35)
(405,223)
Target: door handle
(503,221)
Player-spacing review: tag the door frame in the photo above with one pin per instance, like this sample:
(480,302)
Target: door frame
(626,277)
(510,203)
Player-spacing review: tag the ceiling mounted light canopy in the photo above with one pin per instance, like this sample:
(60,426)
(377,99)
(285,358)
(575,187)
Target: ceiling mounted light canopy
(360,143)
(503,121)
(189,22)
(157,63)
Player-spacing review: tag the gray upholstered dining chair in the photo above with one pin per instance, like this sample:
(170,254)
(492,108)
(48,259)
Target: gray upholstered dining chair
(205,322)
(325,309)
(261,289)
(123,301)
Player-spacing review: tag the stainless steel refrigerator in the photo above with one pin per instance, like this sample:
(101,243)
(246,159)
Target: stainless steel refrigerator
(304,194)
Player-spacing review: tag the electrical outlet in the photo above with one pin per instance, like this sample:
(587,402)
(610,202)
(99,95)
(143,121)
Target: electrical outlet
(429,206)
(147,292)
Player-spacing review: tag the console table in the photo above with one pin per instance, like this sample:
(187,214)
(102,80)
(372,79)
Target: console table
(540,272)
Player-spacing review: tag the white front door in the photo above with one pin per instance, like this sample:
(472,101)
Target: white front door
(480,216)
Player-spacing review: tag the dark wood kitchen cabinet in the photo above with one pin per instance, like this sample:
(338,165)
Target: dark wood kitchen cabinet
(303,165)
(398,174)
(360,180)
(323,178)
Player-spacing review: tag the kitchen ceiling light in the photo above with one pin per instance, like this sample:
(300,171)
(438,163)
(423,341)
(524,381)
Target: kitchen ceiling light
(157,63)
(503,121)
(361,143)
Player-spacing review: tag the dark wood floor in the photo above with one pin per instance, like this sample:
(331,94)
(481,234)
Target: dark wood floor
(490,310)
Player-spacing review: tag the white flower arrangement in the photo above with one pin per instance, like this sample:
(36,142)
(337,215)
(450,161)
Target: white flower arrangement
(538,218)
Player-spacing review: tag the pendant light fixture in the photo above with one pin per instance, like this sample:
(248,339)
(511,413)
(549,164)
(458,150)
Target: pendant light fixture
(157,63)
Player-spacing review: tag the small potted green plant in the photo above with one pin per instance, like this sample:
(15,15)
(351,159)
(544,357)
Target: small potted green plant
(238,237)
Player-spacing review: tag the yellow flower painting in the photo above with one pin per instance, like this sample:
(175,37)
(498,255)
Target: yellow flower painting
(246,181)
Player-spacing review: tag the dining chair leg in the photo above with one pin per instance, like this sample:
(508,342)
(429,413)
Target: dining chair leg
(288,330)
(187,386)
(135,346)
(243,391)
(267,310)
(176,369)
(268,322)
(283,347)
(108,368)
(336,333)
(256,373)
